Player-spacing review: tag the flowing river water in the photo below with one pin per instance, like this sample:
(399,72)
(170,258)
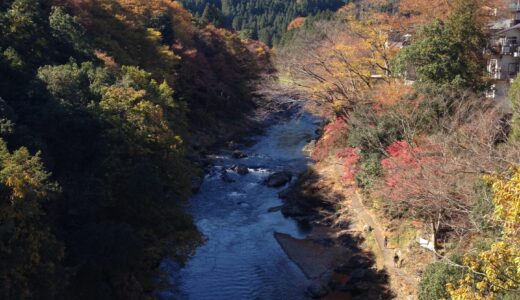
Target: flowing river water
(241,259)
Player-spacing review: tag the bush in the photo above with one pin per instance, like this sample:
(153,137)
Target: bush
(369,170)
(372,132)
(436,277)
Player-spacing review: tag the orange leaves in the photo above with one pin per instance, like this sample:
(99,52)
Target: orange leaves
(332,133)
(296,23)
(391,93)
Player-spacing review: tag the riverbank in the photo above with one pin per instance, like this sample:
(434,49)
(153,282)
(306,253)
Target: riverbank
(233,210)
(271,103)
(334,254)
(331,251)
(322,200)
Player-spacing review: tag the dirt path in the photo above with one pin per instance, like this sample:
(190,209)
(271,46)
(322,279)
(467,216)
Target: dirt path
(402,282)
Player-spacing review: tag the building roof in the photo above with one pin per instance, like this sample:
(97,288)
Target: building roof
(517,26)
(503,24)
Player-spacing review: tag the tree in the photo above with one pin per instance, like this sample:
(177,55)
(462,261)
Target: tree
(435,278)
(495,272)
(514,95)
(448,54)
(266,19)
(30,255)
(212,15)
(421,181)
(342,62)
(67,28)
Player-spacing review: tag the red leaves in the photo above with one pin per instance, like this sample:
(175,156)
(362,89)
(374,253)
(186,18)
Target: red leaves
(404,168)
(332,133)
(328,143)
(351,157)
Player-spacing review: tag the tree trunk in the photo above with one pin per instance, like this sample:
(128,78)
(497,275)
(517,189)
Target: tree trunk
(435,223)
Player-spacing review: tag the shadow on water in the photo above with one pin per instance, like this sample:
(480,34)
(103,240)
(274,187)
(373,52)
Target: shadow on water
(332,252)
(244,222)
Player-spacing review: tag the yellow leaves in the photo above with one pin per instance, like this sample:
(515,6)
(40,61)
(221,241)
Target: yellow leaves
(154,35)
(497,270)
(506,188)
(24,174)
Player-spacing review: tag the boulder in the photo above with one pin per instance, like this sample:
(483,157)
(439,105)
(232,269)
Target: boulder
(237,154)
(278,179)
(226,178)
(240,169)
(316,291)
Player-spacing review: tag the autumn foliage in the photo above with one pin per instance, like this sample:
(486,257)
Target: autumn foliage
(403,169)
(331,135)
(350,158)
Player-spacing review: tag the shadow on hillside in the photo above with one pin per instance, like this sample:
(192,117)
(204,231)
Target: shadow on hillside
(352,270)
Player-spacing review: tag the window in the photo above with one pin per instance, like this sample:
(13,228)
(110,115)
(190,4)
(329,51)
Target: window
(511,41)
(513,69)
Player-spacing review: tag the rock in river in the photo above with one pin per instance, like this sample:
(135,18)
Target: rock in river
(278,179)
(237,154)
(225,177)
(240,169)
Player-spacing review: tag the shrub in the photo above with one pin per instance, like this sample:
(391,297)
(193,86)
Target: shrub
(436,277)
(369,170)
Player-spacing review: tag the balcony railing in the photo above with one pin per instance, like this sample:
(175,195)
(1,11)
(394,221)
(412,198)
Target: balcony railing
(509,49)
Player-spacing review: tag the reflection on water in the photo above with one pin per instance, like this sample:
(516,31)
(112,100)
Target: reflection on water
(241,259)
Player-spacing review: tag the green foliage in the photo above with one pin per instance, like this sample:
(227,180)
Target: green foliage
(514,96)
(212,15)
(111,129)
(482,205)
(266,20)
(371,132)
(369,171)
(447,55)
(67,29)
(74,84)
(435,278)
(308,28)
(30,255)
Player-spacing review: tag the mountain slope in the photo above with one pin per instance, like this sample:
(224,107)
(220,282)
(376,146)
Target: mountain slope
(265,20)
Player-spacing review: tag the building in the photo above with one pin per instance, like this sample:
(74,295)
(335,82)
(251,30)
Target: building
(504,52)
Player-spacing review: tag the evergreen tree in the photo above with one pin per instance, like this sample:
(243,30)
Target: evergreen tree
(266,20)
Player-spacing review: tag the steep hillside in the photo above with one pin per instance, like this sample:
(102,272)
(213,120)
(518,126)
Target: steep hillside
(97,97)
(424,160)
(265,20)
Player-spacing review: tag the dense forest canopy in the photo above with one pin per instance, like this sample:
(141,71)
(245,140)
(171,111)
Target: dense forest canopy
(97,99)
(266,20)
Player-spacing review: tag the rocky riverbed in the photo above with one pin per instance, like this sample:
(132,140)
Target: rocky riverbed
(269,232)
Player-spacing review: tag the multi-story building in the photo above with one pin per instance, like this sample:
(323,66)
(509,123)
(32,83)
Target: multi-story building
(504,51)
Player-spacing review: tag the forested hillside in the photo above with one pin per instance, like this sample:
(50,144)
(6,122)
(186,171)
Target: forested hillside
(412,134)
(266,20)
(96,101)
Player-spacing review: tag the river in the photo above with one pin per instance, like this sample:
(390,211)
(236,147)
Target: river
(241,258)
